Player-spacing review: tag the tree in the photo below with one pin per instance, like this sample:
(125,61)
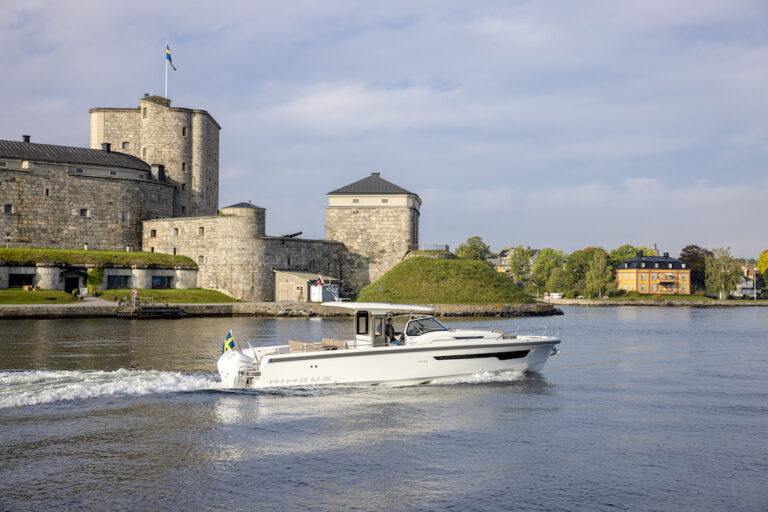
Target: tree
(723,273)
(762,262)
(559,281)
(474,249)
(625,252)
(578,264)
(546,261)
(599,274)
(695,258)
(520,262)
(94,279)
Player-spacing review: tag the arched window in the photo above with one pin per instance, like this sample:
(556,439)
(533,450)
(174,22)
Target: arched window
(201,231)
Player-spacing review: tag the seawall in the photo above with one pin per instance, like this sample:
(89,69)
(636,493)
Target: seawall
(658,303)
(273,309)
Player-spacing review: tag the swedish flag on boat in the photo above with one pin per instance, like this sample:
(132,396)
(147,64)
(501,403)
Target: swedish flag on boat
(229,343)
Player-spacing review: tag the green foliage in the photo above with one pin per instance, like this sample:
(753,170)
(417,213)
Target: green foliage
(559,281)
(422,280)
(474,249)
(31,255)
(189,296)
(621,254)
(695,258)
(17,296)
(762,262)
(599,275)
(572,294)
(723,273)
(95,278)
(547,260)
(578,264)
(520,263)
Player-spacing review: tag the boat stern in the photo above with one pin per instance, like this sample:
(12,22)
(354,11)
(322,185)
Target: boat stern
(230,365)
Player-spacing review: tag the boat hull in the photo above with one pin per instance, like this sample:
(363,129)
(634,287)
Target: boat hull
(392,365)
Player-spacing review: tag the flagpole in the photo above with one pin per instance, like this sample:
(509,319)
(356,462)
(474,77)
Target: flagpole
(166,69)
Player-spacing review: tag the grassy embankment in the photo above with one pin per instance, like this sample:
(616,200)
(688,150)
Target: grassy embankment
(189,296)
(32,255)
(18,296)
(422,280)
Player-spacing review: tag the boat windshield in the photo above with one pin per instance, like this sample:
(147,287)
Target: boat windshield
(420,326)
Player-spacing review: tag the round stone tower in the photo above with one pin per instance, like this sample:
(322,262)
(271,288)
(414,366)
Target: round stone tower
(185,141)
(377,221)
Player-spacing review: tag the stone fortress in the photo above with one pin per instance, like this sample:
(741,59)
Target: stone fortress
(150,182)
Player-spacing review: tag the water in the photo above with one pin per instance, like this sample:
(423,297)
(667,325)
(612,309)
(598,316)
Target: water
(644,409)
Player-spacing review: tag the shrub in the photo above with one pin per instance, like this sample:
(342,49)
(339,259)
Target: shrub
(95,278)
(633,293)
(571,294)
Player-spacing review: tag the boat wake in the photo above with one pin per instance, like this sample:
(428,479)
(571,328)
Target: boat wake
(20,388)
(482,378)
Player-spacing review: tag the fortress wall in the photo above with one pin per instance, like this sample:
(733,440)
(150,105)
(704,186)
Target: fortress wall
(54,220)
(185,141)
(376,239)
(234,256)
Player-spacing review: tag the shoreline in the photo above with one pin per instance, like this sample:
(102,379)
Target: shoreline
(97,308)
(658,303)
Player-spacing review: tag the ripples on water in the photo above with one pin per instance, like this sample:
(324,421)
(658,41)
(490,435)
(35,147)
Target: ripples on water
(644,409)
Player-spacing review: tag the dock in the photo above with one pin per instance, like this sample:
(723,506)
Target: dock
(148,307)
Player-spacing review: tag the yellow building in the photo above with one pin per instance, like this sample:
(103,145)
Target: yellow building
(654,275)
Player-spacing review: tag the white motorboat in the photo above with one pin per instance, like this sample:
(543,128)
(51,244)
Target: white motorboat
(424,351)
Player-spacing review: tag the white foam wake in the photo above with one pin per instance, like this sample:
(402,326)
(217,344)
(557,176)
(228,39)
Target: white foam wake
(484,378)
(19,388)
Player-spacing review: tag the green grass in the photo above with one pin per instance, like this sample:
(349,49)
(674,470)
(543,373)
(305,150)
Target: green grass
(430,252)
(190,296)
(18,296)
(32,255)
(423,280)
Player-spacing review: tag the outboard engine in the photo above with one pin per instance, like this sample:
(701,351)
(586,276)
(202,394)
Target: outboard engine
(230,363)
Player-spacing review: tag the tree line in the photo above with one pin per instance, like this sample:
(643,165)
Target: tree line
(590,271)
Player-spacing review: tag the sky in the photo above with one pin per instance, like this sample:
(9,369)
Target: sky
(537,123)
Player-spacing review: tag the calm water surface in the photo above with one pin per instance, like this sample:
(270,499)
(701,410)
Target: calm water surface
(644,409)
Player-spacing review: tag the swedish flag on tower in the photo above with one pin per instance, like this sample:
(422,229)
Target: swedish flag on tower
(168,56)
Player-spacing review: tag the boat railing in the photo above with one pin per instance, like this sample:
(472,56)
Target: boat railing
(531,330)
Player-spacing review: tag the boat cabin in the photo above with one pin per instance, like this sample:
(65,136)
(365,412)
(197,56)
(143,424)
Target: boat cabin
(370,321)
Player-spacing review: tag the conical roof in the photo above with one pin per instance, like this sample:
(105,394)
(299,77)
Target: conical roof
(373,184)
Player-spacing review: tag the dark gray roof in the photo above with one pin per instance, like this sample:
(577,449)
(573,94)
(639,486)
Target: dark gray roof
(373,184)
(245,205)
(649,261)
(69,155)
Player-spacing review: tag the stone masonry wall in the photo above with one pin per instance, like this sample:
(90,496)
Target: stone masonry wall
(376,239)
(234,256)
(47,200)
(185,141)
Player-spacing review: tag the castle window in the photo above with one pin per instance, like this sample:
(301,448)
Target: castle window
(200,259)
(144,112)
(79,169)
(2,164)
(153,233)
(47,192)
(183,210)
(201,231)
(113,173)
(183,186)
(126,145)
(355,200)
(8,208)
(384,200)
(125,217)
(183,131)
(174,251)
(183,166)
(175,231)
(151,249)
(144,152)
(84,212)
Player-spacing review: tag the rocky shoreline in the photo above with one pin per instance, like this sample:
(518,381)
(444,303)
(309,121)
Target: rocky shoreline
(106,309)
(658,303)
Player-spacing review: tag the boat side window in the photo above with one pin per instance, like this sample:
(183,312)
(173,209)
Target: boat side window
(424,325)
(361,324)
